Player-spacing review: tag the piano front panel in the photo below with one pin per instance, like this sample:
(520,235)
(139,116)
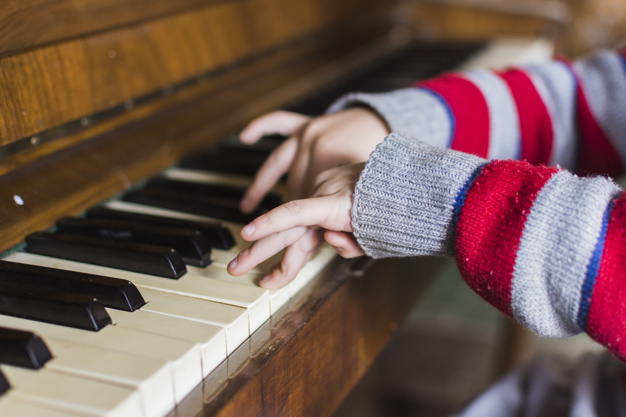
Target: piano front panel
(53,77)
(37,192)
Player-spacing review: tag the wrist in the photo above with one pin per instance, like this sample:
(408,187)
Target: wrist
(413,111)
(404,201)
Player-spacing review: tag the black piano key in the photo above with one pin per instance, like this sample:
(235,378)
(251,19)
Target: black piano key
(4,384)
(111,292)
(137,257)
(226,161)
(190,244)
(23,349)
(219,236)
(416,62)
(271,200)
(216,207)
(62,308)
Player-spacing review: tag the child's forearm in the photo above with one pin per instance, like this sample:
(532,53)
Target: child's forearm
(542,245)
(553,113)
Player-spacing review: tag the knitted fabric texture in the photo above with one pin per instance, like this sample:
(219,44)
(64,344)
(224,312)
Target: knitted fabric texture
(404,200)
(556,113)
(540,244)
(531,240)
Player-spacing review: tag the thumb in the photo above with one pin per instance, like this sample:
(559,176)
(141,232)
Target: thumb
(344,243)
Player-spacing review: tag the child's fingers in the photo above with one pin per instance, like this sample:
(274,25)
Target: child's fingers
(317,211)
(275,166)
(344,243)
(264,249)
(293,260)
(282,122)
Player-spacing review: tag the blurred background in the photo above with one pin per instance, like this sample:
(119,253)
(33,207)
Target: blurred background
(577,26)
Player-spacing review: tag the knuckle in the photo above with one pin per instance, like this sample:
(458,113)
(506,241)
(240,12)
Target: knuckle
(312,129)
(327,142)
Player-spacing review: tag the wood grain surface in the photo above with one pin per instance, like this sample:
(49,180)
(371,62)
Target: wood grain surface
(57,83)
(69,181)
(29,24)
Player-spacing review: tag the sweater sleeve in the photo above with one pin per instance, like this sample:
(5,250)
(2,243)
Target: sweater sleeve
(539,243)
(555,113)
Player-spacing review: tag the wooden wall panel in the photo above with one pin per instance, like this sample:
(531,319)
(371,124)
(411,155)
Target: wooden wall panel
(53,85)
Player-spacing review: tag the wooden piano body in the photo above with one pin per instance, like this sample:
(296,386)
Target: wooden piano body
(98,95)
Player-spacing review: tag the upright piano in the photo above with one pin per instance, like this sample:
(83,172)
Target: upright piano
(119,159)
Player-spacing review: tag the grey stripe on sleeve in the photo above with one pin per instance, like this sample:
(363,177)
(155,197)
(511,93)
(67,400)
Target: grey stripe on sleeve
(504,130)
(404,199)
(557,87)
(557,244)
(604,80)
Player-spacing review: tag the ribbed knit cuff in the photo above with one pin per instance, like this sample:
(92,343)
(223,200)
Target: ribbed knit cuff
(414,111)
(404,199)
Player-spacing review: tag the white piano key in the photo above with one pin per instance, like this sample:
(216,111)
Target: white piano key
(184,358)
(210,338)
(10,406)
(222,257)
(233,319)
(72,394)
(152,378)
(252,297)
(255,300)
(278,298)
(155,211)
(239,359)
(205,177)
(511,51)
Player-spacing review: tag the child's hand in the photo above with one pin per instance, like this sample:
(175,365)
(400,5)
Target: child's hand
(313,146)
(299,227)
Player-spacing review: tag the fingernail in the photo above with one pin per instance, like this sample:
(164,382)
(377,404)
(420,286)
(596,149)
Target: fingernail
(233,263)
(266,278)
(248,230)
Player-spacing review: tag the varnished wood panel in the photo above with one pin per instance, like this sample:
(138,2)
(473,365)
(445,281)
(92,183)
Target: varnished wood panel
(70,181)
(53,85)
(28,24)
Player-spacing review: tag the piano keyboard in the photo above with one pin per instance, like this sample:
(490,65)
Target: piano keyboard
(168,317)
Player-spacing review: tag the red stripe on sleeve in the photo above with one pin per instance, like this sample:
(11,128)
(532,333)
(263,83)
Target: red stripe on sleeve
(607,313)
(469,111)
(535,122)
(491,224)
(596,154)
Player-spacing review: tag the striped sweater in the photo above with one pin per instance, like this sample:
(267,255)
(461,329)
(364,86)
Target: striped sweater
(541,244)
